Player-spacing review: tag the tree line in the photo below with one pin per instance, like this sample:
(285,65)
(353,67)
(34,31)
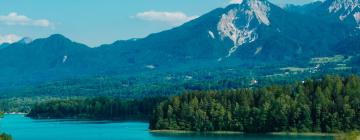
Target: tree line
(329,104)
(107,108)
(148,85)
(123,89)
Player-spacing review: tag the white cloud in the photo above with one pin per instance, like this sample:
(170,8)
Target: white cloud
(173,18)
(10,38)
(235,1)
(16,19)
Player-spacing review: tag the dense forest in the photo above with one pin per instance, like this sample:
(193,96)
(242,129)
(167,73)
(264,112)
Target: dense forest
(23,99)
(154,84)
(96,108)
(329,104)
(24,104)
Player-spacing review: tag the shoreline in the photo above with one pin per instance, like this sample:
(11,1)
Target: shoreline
(241,133)
(303,134)
(15,113)
(189,132)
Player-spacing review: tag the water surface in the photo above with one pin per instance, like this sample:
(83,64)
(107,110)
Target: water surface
(23,128)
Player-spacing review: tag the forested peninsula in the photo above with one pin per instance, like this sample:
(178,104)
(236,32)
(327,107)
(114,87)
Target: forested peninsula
(327,105)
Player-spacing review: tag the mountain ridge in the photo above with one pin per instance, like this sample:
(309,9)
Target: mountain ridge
(250,34)
(347,11)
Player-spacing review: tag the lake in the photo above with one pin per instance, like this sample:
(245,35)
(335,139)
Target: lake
(23,128)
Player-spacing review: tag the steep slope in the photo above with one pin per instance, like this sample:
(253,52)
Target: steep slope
(346,10)
(349,46)
(25,40)
(43,59)
(240,33)
(303,9)
(4,45)
(251,34)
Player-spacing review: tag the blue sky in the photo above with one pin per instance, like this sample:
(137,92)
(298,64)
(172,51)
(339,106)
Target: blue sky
(95,22)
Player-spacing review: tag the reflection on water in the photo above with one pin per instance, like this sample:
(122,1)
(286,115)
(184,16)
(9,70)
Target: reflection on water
(22,128)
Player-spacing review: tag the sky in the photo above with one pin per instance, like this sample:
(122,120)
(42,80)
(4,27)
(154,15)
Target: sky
(96,22)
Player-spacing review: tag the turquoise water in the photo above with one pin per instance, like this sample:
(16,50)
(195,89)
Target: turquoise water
(22,128)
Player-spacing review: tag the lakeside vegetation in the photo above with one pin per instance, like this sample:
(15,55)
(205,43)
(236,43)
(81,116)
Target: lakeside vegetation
(23,105)
(5,137)
(122,89)
(104,108)
(23,99)
(327,105)
(323,105)
(354,135)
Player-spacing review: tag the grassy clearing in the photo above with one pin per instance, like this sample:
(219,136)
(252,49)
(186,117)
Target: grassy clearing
(343,68)
(355,135)
(295,69)
(324,60)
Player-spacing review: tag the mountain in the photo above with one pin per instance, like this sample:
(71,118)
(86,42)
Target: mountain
(25,40)
(4,45)
(345,11)
(254,35)
(43,59)
(253,31)
(303,9)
